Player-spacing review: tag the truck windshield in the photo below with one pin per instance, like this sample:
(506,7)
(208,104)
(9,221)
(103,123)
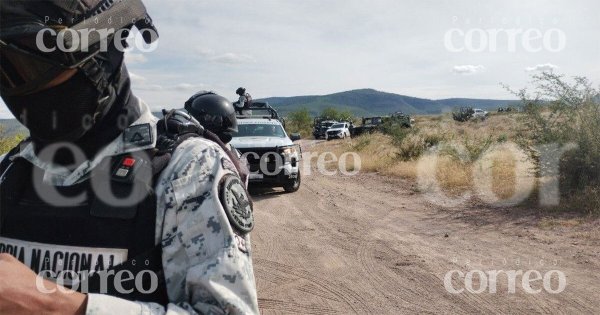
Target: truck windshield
(260,130)
(337,126)
(373,121)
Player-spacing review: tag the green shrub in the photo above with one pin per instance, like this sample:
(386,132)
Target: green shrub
(9,142)
(362,142)
(335,114)
(565,112)
(299,121)
(412,147)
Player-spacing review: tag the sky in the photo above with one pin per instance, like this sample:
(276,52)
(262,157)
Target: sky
(428,49)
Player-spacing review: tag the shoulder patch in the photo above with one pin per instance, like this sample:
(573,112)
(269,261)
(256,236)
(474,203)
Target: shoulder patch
(138,135)
(236,203)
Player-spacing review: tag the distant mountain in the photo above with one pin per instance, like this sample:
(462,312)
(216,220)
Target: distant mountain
(486,104)
(363,102)
(366,102)
(11,127)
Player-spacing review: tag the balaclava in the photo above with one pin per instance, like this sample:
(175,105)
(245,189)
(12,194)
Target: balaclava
(88,108)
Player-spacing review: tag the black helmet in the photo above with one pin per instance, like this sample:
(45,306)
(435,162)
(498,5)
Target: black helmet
(240,91)
(214,112)
(27,68)
(27,26)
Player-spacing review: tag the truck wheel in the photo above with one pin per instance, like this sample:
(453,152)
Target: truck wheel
(293,185)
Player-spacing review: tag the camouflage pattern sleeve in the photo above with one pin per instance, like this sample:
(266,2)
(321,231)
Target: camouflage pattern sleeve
(206,259)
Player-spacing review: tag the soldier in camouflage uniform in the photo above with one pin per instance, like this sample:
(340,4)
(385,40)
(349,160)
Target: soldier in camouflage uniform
(186,238)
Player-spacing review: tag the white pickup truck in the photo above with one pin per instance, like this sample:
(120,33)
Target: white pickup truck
(480,114)
(339,130)
(273,158)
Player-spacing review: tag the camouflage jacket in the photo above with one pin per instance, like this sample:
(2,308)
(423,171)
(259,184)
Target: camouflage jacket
(207,263)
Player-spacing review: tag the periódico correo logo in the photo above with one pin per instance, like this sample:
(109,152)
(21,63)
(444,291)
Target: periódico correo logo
(508,40)
(71,40)
(479,281)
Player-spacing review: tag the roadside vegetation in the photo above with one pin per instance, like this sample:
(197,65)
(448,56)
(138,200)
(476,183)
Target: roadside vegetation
(398,151)
(300,121)
(567,113)
(557,113)
(8,142)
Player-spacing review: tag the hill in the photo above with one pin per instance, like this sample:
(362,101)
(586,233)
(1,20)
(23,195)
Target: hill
(366,102)
(11,127)
(363,102)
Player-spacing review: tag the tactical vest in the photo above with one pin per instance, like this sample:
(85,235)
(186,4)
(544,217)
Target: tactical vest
(87,236)
(92,235)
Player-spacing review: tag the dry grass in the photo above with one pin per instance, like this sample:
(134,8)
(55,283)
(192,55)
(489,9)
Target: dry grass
(7,143)
(489,158)
(585,201)
(402,156)
(375,151)
(550,223)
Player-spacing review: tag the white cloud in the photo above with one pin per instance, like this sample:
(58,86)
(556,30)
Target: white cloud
(468,69)
(542,67)
(140,82)
(225,58)
(149,87)
(288,48)
(232,58)
(136,78)
(133,58)
(205,52)
(188,87)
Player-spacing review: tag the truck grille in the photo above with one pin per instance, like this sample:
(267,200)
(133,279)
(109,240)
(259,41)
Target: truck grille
(254,162)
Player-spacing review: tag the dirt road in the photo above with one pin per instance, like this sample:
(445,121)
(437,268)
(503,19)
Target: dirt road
(372,245)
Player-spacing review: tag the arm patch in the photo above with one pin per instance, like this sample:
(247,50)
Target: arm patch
(236,203)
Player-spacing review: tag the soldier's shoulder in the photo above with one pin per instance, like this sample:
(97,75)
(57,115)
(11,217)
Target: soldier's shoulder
(199,145)
(196,155)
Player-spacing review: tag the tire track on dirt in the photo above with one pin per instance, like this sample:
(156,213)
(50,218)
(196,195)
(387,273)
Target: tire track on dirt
(294,308)
(325,289)
(345,245)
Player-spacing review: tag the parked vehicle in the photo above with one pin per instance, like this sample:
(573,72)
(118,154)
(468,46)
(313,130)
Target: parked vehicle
(480,114)
(320,127)
(376,123)
(338,131)
(403,119)
(467,113)
(273,158)
(369,124)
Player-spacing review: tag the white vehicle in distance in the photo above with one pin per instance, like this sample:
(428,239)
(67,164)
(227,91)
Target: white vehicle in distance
(480,113)
(339,130)
(273,158)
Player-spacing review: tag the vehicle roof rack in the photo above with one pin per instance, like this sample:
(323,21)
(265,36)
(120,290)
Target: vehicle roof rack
(261,108)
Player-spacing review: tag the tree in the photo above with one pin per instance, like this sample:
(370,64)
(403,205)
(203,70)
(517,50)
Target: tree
(299,121)
(335,114)
(559,111)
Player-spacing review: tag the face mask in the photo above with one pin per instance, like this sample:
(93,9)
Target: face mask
(61,113)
